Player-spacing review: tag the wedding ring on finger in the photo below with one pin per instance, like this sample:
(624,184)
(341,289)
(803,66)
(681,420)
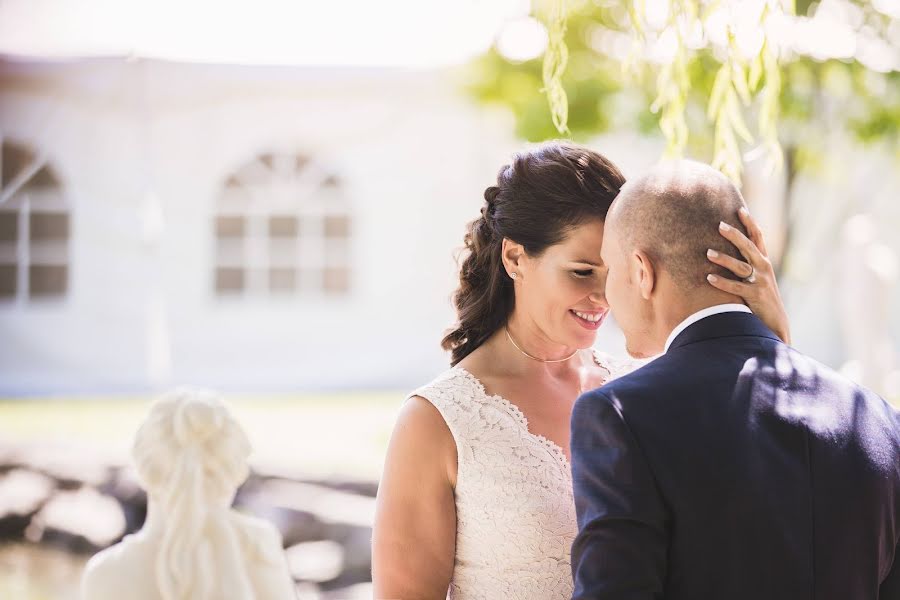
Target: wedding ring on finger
(752,277)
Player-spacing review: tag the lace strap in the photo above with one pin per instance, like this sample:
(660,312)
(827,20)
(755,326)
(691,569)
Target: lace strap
(452,396)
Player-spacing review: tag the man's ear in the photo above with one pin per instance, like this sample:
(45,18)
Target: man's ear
(513,256)
(643,273)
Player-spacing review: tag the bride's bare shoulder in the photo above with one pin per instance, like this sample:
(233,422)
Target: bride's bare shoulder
(419,412)
(421,439)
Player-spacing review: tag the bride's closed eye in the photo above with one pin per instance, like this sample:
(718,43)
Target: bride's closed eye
(583,273)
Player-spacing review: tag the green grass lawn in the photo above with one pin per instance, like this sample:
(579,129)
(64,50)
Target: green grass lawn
(317,435)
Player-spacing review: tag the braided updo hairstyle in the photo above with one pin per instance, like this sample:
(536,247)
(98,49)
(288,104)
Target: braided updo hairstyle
(542,194)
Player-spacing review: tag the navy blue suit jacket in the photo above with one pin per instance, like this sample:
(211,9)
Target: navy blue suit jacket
(735,468)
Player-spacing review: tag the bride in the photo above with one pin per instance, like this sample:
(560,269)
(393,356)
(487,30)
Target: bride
(476,496)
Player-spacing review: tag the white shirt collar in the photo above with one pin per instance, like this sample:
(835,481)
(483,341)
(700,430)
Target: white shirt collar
(702,314)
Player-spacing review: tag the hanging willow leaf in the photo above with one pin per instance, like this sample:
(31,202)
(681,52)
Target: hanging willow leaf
(556,58)
(769,109)
(756,71)
(720,86)
(736,84)
(736,119)
(673,85)
(632,60)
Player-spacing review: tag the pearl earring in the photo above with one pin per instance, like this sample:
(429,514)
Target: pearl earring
(513,275)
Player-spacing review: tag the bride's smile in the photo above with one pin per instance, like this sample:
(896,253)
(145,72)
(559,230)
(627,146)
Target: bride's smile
(590,320)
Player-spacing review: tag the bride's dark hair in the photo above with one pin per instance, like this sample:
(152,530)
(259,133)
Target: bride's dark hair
(538,198)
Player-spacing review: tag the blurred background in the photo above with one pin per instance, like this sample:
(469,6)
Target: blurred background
(267,198)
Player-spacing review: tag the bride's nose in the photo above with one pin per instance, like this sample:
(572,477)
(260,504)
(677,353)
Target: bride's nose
(598,297)
(598,294)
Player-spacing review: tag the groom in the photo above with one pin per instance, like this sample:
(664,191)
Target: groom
(731,467)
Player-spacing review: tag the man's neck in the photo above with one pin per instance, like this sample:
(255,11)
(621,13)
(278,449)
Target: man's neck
(701,315)
(683,307)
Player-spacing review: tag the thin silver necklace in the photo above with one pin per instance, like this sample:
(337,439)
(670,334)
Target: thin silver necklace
(544,360)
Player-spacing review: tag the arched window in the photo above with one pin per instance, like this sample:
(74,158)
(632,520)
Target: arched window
(34,227)
(282,227)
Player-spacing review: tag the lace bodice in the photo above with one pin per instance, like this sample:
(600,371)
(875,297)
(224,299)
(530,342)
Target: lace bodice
(514,506)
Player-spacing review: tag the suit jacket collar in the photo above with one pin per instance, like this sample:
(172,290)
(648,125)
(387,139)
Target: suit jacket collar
(728,324)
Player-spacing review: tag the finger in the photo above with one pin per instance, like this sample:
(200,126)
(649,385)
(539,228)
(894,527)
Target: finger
(753,228)
(737,288)
(738,267)
(747,248)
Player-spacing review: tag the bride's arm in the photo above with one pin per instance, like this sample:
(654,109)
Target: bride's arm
(414,536)
(762,296)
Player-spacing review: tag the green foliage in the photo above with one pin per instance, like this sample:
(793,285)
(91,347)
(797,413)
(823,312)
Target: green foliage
(555,60)
(591,82)
(728,103)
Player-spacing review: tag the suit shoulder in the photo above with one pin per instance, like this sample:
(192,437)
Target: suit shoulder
(789,361)
(645,378)
(593,404)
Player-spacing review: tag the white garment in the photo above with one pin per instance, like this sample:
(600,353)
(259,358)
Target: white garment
(702,314)
(515,510)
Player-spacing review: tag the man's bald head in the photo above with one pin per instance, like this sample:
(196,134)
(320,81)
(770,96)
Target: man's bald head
(673,213)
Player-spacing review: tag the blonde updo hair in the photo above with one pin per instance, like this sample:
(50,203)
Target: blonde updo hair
(191,456)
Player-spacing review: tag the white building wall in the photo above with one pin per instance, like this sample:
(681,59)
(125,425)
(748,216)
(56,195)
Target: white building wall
(414,156)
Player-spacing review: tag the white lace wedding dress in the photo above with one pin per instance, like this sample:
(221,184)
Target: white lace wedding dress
(514,505)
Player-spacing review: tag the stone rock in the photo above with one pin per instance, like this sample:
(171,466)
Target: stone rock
(83,520)
(316,561)
(307,590)
(22,493)
(295,526)
(70,468)
(360,488)
(123,485)
(357,544)
(327,504)
(358,591)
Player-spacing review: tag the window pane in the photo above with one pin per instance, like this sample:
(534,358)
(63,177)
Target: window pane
(54,252)
(47,280)
(283,226)
(15,159)
(229,280)
(282,280)
(7,281)
(337,226)
(336,281)
(9,226)
(43,178)
(230,227)
(49,226)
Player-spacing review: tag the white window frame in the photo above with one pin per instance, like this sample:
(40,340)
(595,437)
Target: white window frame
(17,196)
(283,185)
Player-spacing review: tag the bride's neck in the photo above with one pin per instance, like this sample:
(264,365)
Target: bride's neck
(530,339)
